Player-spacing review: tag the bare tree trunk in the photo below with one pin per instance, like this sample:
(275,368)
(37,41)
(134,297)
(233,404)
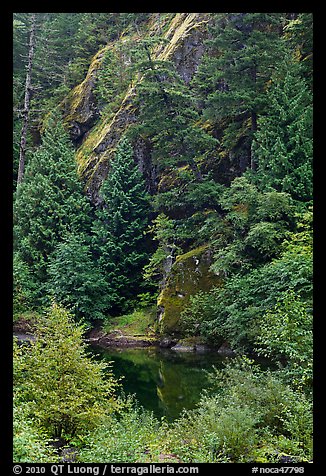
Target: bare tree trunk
(253,164)
(27,99)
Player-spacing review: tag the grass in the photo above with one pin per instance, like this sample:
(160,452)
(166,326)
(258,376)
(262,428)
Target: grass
(139,322)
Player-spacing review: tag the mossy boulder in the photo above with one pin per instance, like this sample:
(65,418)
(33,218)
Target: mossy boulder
(189,274)
(79,106)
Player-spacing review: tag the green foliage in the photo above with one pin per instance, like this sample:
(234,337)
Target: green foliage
(286,334)
(23,287)
(243,50)
(48,203)
(205,435)
(75,281)
(250,415)
(131,437)
(264,239)
(111,77)
(146,299)
(298,33)
(283,144)
(163,231)
(255,224)
(29,442)
(65,44)
(118,232)
(168,116)
(64,387)
(139,322)
(235,312)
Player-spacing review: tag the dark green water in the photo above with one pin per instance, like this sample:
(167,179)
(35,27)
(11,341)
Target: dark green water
(163,380)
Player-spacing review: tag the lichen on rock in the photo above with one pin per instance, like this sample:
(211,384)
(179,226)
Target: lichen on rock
(189,274)
(97,137)
(79,106)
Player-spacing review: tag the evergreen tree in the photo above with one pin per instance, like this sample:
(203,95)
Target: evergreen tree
(75,281)
(298,32)
(243,51)
(283,144)
(119,229)
(49,202)
(168,116)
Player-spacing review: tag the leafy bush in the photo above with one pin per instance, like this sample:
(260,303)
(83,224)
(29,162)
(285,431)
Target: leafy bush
(235,312)
(65,388)
(212,433)
(129,437)
(23,286)
(258,223)
(248,415)
(30,444)
(286,334)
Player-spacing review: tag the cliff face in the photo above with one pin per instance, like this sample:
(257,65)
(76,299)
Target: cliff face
(184,46)
(96,136)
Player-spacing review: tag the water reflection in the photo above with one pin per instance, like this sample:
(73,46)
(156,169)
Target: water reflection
(163,380)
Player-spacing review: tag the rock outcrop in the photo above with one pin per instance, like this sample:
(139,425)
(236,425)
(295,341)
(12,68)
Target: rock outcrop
(184,46)
(189,274)
(96,136)
(79,107)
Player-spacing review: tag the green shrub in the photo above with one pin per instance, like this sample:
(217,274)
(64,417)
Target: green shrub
(236,311)
(248,415)
(286,333)
(30,444)
(130,437)
(65,388)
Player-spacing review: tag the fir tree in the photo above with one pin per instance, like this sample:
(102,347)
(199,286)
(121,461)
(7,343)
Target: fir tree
(119,229)
(49,202)
(168,116)
(243,51)
(283,143)
(75,281)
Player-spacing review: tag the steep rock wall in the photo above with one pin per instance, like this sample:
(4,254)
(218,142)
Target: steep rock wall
(185,46)
(79,107)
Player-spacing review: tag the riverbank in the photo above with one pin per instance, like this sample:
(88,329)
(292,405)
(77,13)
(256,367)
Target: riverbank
(122,334)
(120,339)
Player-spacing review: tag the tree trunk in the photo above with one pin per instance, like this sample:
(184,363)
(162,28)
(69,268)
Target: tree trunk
(27,99)
(253,164)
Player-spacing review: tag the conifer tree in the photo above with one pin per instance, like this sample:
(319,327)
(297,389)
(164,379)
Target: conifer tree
(119,229)
(243,51)
(283,143)
(75,281)
(49,202)
(168,116)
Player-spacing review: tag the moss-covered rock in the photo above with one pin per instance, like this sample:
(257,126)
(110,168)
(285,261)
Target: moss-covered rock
(189,274)
(79,106)
(96,137)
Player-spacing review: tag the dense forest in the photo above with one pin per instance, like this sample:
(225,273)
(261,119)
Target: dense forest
(162,168)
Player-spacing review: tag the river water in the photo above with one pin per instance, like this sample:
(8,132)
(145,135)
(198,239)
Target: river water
(163,381)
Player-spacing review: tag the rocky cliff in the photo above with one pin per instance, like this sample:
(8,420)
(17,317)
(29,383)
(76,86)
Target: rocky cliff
(189,274)
(96,136)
